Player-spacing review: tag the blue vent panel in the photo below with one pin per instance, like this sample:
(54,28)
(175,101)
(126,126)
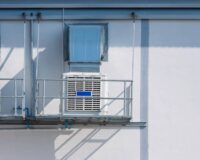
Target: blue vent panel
(83,93)
(85,43)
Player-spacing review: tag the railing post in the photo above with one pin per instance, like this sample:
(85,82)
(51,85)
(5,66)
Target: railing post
(15,90)
(63,95)
(36,97)
(24,71)
(124,98)
(44,95)
(0,101)
(23,97)
(131,105)
(105,95)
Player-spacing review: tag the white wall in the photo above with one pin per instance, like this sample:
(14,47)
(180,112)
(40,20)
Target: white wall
(166,93)
(92,142)
(173,89)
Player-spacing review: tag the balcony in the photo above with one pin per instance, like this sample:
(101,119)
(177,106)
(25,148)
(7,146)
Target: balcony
(57,101)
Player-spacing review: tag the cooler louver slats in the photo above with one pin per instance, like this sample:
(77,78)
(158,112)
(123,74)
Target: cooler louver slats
(83,83)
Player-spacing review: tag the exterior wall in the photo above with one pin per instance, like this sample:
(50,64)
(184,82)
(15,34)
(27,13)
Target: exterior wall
(166,86)
(79,142)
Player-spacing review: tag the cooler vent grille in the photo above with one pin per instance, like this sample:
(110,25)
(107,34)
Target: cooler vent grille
(76,84)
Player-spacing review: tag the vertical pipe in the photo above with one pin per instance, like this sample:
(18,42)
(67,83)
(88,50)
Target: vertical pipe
(15,90)
(24,73)
(32,64)
(63,101)
(37,65)
(134,26)
(133,54)
(63,31)
(44,95)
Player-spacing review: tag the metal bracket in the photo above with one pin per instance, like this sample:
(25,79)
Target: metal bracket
(39,16)
(27,118)
(133,15)
(24,16)
(68,123)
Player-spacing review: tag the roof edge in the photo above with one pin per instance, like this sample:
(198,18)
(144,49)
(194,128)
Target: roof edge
(100,6)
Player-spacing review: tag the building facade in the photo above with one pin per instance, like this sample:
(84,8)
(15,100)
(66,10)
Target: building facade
(99,80)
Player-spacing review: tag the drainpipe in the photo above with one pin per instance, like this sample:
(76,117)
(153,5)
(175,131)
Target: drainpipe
(24,73)
(33,75)
(39,16)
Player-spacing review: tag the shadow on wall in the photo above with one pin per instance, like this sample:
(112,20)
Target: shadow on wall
(7,87)
(89,141)
(6,59)
(77,143)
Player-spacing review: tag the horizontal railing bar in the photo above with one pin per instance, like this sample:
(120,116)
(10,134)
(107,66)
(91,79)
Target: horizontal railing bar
(9,115)
(84,98)
(93,115)
(84,116)
(107,80)
(11,96)
(17,79)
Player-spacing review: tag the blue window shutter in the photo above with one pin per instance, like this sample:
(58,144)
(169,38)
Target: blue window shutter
(85,43)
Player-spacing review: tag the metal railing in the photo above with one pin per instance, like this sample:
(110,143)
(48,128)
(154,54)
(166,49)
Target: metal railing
(125,97)
(9,90)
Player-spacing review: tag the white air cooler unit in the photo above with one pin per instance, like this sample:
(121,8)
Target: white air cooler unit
(83,91)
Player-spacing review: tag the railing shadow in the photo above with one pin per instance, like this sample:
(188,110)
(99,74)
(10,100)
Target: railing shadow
(76,143)
(6,58)
(30,144)
(91,143)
